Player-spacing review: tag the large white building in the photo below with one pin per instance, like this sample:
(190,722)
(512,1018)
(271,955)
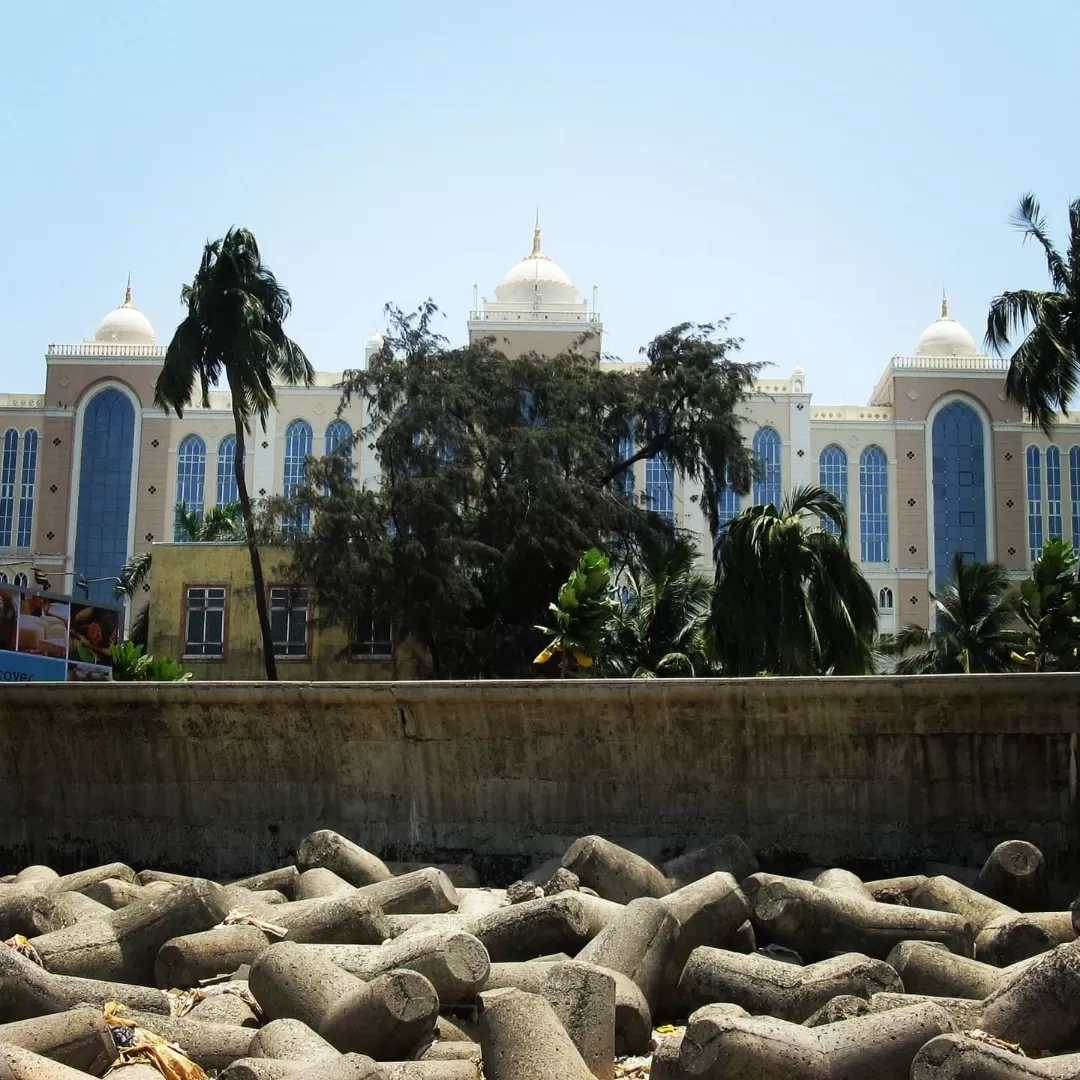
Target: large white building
(937,461)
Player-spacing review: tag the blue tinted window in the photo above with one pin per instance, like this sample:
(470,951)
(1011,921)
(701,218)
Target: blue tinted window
(1053,492)
(660,486)
(767,481)
(190,477)
(1074,492)
(297,450)
(8,466)
(339,440)
(959,478)
(874,504)
(226,471)
(101,530)
(1034,502)
(832,476)
(729,503)
(625,480)
(26,494)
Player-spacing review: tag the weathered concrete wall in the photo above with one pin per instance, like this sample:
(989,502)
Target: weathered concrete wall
(226,778)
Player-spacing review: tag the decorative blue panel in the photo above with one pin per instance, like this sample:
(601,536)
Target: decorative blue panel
(8,468)
(767,480)
(959,477)
(297,450)
(1053,493)
(660,486)
(226,471)
(1034,503)
(874,505)
(339,439)
(832,476)
(26,495)
(190,478)
(101,524)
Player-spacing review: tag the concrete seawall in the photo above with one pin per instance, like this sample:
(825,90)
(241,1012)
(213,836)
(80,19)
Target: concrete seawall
(225,778)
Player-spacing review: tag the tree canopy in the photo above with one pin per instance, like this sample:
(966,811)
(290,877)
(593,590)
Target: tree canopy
(496,474)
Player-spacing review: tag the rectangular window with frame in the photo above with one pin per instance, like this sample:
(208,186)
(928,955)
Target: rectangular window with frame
(373,636)
(289,621)
(204,621)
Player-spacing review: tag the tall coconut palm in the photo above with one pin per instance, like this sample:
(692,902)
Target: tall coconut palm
(972,618)
(788,599)
(661,626)
(1044,371)
(236,308)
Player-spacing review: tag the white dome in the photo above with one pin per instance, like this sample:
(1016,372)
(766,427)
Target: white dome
(946,337)
(374,343)
(125,325)
(536,280)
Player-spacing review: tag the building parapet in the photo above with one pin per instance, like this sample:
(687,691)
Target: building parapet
(99,349)
(539,315)
(982,362)
(853,413)
(21,401)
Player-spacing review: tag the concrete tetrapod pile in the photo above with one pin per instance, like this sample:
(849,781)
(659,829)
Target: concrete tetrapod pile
(601,965)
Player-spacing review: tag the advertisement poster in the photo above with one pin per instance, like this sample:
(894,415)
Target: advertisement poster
(46,637)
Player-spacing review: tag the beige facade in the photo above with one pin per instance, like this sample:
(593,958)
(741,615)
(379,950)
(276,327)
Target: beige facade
(938,460)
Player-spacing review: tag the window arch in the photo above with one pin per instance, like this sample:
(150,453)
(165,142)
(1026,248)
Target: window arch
(1074,492)
(105,469)
(190,477)
(3,577)
(1053,493)
(959,484)
(297,451)
(885,599)
(767,481)
(874,505)
(339,440)
(226,471)
(21,579)
(8,466)
(26,493)
(832,476)
(660,486)
(1034,502)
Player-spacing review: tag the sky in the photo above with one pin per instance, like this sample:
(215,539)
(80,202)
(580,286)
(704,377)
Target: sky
(816,171)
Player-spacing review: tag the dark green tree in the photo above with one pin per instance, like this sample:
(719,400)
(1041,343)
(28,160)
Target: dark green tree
(789,600)
(1049,605)
(1044,371)
(233,329)
(972,620)
(496,473)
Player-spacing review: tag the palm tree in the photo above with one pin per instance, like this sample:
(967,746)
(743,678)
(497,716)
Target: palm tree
(236,308)
(661,628)
(972,616)
(217,524)
(1045,368)
(789,600)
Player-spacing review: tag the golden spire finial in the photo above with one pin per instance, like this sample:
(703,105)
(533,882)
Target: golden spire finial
(127,291)
(536,235)
(944,304)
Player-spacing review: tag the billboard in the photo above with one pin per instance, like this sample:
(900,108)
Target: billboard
(51,637)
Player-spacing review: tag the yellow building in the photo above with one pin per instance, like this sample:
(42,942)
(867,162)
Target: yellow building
(202,612)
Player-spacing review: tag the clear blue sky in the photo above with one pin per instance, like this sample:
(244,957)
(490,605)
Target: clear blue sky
(816,170)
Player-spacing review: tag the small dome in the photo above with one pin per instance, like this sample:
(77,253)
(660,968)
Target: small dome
(946,337)
(536,279)
(374,343)
(125,325)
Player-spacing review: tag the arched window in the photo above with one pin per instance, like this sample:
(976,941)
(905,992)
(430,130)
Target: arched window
(959,488)
(1053,493)
(1034,503)
(885,599)
(767,480)
(190,477)
(8,465)
(1074,492)
(297,451)
(339,440)
(3,578)
(26,494)
(874,505)
(106,461)
(660,486)
(832,476)
(729,504)
(226,471)
(21,579)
